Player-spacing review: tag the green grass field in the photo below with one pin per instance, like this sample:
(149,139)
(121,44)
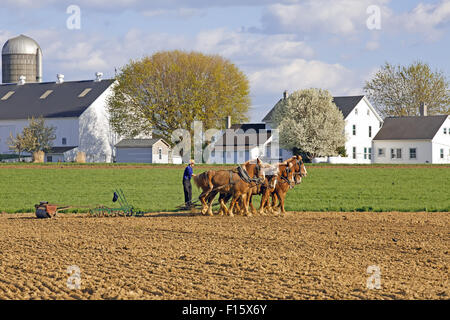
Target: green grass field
(158,188)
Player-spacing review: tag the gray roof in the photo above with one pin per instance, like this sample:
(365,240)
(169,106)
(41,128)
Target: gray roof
(138,143)
(346,104)
(249,140)
(247,126)
(420,128)
(62,102)
(60,150)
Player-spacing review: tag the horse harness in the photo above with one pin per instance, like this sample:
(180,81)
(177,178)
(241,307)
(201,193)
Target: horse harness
(243,174)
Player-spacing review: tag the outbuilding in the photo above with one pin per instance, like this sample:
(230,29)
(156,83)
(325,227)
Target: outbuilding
(142,151)
(420,139)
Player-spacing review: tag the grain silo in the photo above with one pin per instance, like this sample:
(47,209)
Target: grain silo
(21,56)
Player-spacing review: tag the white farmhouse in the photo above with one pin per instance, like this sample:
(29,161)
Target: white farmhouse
(77,109)
(243,142)
(362,123)
(420,139)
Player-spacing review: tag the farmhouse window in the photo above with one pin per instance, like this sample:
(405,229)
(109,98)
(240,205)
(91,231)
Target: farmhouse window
(356,111)
(396,153)
(370,131)
(445,130)
(365,153)
(370,153)
(160,153)
(442,153)
(64,141)
(354,129)
(354,152)
(381,152)
(368,112)
(412,153)
(49,159)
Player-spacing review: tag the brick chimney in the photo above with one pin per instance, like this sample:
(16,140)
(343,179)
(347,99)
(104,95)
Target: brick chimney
(285,94)
(423,110)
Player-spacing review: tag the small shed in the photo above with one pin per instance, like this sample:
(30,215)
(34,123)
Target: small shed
(57,154)
(142,151)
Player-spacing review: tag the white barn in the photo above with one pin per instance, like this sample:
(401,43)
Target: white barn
(420,139)
(362,123)
(76,108)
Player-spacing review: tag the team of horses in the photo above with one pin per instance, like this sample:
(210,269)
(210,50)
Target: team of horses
(254,177)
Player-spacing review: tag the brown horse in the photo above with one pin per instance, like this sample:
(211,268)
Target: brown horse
(299,173)
(236,182)
(299,168)
(284,181)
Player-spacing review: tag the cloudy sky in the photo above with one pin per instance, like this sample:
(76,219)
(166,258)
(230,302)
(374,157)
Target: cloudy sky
(280,45)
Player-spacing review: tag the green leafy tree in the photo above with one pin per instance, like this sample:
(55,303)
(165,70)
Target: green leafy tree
(309,121)
(169,90)
(397,90)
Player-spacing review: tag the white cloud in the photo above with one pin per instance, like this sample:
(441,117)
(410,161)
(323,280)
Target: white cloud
(372,45)
(251,48)
(426,19)
(301,74)
(338,17)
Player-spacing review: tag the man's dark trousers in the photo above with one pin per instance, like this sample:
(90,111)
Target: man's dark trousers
(187,192)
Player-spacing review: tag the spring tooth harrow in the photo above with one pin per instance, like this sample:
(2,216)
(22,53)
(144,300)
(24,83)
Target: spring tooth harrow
(124,210)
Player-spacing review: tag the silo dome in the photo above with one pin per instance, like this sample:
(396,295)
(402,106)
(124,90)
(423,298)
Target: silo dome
(21,56)
(20,45)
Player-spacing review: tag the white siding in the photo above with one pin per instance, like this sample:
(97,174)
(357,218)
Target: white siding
(164,153)
(362,117)
(442,141)
(423,151)
(96,137)
(65,128)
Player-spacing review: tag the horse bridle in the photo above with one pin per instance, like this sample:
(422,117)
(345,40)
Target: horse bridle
(300,163)
(286,179)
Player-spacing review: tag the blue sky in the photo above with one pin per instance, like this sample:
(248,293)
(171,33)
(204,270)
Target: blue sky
(280,45)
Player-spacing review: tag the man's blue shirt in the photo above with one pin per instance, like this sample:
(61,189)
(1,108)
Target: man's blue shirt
(188,173)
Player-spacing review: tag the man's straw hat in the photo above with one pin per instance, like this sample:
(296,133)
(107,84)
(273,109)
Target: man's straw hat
(191,162)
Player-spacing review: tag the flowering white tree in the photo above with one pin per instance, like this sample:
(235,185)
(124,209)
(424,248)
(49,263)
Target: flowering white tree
(309,120)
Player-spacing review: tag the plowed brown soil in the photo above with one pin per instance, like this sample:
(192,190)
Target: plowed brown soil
(169,256)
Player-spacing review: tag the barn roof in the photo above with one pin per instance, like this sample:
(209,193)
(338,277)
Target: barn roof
(420,128)
(346,104)
(138,143)
(49,99)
